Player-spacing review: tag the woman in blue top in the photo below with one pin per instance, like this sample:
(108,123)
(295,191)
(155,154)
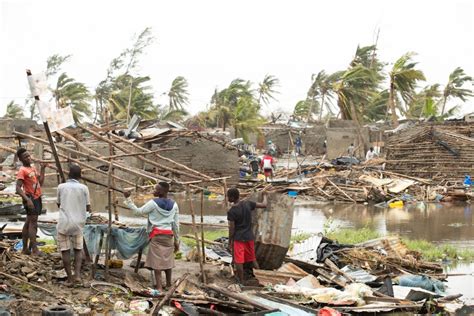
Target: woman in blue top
(163,227)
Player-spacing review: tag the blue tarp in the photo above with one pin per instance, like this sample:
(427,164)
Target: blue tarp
(127,241)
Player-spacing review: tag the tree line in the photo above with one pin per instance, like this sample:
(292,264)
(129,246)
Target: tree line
(368,90)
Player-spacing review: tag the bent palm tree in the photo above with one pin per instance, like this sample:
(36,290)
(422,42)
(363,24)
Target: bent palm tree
(322,86)
(246,118)
(69,92)
(141,99)
(403,79)
(266,89)
(454,87)
(14,110)
(178,94)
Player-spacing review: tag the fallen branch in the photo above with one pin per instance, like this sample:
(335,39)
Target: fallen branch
(26,282)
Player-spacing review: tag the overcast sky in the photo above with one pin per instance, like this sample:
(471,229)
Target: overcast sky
(211,43)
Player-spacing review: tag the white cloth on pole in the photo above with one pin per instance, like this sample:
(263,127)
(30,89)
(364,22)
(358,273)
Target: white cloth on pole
(38,84)
(61,118)
(45,109)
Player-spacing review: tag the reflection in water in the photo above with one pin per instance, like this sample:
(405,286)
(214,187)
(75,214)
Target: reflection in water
(441,223)
(451,223)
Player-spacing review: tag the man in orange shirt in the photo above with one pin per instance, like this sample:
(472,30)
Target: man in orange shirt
(28,186)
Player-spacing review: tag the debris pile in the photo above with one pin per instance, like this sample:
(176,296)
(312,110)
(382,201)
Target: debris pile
(437,151)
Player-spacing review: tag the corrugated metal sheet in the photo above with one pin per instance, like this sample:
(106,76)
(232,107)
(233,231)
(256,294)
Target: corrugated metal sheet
(272,228)
(266,277)
(306,250)
(358,274)
(292,268)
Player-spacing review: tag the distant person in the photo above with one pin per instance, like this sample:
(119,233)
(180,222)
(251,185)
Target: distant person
(298,144)
(267,164)
(241,237)
(370,154)
(350,150)
(163,226)
(272,149)
(254,166)
(28,186)
(73,200)
(325,146)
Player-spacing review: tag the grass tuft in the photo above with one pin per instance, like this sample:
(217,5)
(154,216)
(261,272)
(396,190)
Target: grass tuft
(208,234)
(353,236)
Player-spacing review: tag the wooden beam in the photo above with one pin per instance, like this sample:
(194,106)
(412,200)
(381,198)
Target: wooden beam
(151,162)
(105,162)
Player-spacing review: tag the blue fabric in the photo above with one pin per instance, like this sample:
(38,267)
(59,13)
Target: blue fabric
(166,204)
(423,282)
(127,241)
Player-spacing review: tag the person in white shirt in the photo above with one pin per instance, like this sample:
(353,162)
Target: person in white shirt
(370,154)
(73,201)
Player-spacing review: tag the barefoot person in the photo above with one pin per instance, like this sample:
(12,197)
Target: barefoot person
(28,186)
(73,201)
(241,237)
(163,225)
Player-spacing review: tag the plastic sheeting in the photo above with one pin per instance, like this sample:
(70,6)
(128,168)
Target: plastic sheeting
(127,241)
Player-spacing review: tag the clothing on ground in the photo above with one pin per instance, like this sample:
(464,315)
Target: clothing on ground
(162,213)
(241,215)
(30,178)
(244,251)
(73,198)
(127,241)
(66,241)
(160,253)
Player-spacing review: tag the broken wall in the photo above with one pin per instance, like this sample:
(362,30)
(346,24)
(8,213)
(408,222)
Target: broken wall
(206,156)
(313,138)
(339,139)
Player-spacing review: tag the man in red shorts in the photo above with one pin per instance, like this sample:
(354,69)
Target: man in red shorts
(241,237)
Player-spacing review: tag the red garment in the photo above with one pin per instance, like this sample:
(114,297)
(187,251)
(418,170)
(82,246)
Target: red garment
(244,251)
(30,179)
(267,157)
(158,231)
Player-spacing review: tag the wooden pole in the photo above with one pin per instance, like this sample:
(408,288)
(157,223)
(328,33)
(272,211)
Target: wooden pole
(79,153)
(50,140)
(111,153)
(202,226)
(109,227)
(92,168)
(140,157)
(226,202)
(169,294)
(201,175)
(193,217)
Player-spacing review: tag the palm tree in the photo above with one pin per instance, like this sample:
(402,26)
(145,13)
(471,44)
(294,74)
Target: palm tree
(322,86)
(454,87)
(246,118)
(266,89)
(377,107)
(69,92)
(14,110)
(178,94)
(422,102)
(353,89)
(141,98)
(403,79)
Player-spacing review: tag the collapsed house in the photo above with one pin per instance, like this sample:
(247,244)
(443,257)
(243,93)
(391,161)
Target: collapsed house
(338,134)
(438,151)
